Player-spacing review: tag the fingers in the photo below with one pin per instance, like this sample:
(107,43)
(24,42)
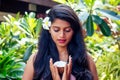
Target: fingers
(54,70)
(68,67)
(51,64)
(66,73)
(70,61)
(67,70)
(52,67)
(70,64)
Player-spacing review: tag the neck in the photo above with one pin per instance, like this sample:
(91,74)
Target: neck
(63,53)
(62,49)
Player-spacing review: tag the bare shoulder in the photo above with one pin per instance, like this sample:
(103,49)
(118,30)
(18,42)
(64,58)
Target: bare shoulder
(32,58)
(29,69)
(92,67)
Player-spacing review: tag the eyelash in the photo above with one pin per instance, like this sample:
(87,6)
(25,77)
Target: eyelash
(65,30)
(56,30)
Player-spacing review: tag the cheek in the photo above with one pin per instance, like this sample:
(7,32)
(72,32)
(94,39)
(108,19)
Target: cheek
(54,36)
(69,36)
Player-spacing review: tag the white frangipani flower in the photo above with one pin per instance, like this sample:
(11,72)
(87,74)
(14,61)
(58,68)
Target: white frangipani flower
(46,23)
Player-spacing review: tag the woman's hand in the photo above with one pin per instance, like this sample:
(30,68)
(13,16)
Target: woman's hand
(67,70)
(54,71)
(66,73)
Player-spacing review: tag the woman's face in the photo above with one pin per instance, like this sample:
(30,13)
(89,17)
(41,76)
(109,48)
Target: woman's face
(61,32)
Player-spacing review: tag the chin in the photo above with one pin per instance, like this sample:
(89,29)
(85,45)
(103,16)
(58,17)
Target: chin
(62,44)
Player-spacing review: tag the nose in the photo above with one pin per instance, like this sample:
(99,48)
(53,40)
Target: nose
(62,34)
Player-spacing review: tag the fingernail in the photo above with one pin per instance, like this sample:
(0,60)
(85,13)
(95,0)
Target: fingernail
(70,57)
(50,59)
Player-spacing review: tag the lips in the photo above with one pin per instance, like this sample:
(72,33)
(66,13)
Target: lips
(61,40)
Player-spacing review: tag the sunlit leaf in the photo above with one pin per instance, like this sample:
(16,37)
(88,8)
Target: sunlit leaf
(20,26)
(2,75)
(110,14)
(83,16)
(38,26)
(32,23)
(89,2)
(17,15)
(60,1)
(7,19)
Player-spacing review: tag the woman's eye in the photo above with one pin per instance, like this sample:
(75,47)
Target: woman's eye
(56,30)
(67,30)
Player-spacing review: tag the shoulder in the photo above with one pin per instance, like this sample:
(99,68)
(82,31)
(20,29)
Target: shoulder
(32,58)
(90,59)
(92,67)
(29,69)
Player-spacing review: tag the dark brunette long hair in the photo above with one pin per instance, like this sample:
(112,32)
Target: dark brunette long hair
(76,47)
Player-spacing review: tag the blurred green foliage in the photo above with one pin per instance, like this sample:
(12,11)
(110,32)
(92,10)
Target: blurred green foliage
(106,54)
(18,40)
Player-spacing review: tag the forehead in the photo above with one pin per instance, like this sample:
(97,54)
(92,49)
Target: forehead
(60,23)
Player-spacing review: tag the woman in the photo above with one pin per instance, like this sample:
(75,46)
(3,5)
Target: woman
(61,39)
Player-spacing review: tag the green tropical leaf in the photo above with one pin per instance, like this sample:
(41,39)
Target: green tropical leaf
(97,19)
(12,19)
(25,25)
(89,26)
(20,26)
(38,26)
(105,29)
(7,19)
(16,74)
(110,14)
(28,53)
(17,15)
(2,40)
(32,22)
(89,3)
(73,1)
(2,76)
(76,1)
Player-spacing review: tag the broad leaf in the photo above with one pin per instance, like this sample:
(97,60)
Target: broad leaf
(89,26)
(25,25)
(20,26)
(105,29)
(110,14)
(28,53)
(97,19)
(2,76)
(89,3)
(38,26)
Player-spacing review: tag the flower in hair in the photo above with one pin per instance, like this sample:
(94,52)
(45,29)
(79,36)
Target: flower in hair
(46,23)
